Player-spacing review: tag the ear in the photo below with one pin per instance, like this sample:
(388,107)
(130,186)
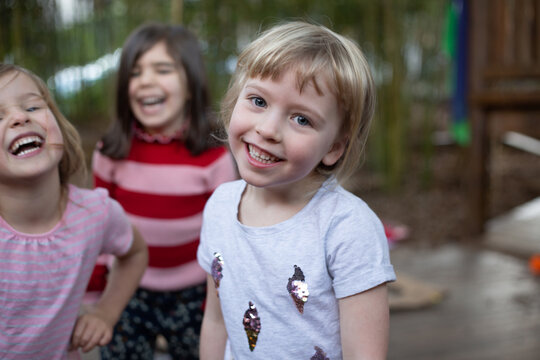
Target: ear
(336,151)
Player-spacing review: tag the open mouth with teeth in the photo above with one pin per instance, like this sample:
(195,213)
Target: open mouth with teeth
(261,155)
(26,145)
(151,101)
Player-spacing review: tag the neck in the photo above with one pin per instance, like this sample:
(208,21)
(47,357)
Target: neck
(299,192)
(32,207)
(265,206)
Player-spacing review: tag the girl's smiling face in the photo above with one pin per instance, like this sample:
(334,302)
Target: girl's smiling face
(31,142)
(279,134)
(158,91)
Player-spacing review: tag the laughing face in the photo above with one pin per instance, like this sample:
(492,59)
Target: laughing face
(279,134)
(158,91)
(30,138)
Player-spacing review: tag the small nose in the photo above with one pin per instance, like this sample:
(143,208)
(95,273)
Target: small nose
(269,127)
(146,77)
(18,118)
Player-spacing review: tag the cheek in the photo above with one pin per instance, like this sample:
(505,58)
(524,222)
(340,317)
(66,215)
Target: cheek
(233,134)
(54,134)
(184,83)
(235,124)
(179,85)
(174,86)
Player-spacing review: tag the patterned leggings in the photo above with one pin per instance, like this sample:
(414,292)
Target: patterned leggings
(176,315)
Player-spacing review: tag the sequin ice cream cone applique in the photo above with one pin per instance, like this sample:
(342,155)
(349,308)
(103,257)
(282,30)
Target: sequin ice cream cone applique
(217,269)
(252,325)
(298,289)
(319,354)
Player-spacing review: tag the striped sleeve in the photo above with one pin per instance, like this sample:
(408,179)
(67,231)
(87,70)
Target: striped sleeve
(118,234)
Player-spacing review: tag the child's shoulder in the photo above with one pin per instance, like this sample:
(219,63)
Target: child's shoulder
(333,192)
(343,203)
(95,201)
(349,219)
(82,195)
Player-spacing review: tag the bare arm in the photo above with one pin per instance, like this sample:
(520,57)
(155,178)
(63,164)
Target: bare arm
(213,332)
(364,323)
(95,326)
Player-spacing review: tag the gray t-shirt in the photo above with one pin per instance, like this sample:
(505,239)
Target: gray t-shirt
(279,285)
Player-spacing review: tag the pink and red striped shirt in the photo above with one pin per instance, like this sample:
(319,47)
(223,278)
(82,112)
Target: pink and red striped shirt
(163,189)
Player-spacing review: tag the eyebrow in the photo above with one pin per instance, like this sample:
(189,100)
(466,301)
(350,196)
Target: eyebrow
(158,63)
(26,97)
(254,87)
(163,63)
(30,95)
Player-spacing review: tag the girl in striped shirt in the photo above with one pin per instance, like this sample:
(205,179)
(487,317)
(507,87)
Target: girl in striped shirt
(159,163)
(51,232)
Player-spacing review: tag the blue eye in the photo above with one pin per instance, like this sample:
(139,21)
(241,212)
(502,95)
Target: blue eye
(257,101)
(301,120)
(32,108)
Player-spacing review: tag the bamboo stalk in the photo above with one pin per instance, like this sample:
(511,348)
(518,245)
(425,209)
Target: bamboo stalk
(177,11)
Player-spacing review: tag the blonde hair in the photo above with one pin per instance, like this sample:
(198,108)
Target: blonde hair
(313,51)
(73,159)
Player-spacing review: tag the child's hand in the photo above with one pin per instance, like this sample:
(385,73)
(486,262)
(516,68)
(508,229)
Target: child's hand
(91,329)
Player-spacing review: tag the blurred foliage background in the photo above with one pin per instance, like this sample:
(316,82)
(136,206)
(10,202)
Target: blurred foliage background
(74,45)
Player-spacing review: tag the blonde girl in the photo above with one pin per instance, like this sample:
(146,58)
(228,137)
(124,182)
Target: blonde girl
(51,232)
(296,265)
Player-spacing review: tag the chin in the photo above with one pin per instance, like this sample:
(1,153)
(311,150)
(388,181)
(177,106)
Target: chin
(256,181)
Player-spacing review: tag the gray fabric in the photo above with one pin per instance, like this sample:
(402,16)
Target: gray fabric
(337,242)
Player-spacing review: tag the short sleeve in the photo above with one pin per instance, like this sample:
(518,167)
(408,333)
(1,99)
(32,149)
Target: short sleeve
(357,251)
(203,254)
(118,235)
(218,222)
